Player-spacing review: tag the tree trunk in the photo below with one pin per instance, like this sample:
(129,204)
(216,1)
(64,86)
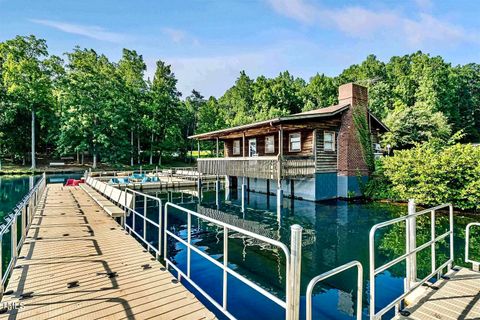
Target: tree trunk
(160,159)
(83,156)
(138,146)
(78,157)
(34,165)
(151,150)
(94,157)
(132,148)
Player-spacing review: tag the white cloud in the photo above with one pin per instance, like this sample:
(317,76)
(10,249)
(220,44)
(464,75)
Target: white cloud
(358,21)
(89,31)
(431,29)
(296,9)
(362,22)
(213,75)
(175,35)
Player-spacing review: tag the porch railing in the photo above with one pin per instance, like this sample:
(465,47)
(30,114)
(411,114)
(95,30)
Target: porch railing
(257,167)
(254,167)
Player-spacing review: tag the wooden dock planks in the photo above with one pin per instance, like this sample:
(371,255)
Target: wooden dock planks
(73,239)
(457,298)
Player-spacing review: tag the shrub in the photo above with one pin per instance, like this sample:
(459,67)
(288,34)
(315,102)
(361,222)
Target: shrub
(433,175)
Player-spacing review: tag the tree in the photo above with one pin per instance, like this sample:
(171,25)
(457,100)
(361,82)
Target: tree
(95,116)
(418,124)
(321,91)
(26,78)
(131,69)
(238,101)
(162,120)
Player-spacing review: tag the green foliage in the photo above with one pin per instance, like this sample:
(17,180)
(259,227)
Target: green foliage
(378,187)
(108,109)
(433,175)
(364,136)
(417,124)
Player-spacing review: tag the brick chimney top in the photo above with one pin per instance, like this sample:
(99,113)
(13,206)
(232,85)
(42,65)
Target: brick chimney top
(352,93)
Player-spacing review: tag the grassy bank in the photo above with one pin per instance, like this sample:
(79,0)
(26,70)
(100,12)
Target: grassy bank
(15,169)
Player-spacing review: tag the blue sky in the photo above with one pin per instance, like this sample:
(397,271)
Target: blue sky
(209,41)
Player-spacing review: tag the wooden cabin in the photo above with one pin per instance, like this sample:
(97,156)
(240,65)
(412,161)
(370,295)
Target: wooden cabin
(314,155)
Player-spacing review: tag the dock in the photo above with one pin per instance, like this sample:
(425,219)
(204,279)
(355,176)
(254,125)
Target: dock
(457,296)
(78,263)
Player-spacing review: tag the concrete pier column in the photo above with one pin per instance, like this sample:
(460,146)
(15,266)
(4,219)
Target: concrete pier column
(279,204)
(244,194)
(217,192)
(199,189)
(227,188)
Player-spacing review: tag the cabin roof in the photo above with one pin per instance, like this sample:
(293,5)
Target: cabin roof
(312,114)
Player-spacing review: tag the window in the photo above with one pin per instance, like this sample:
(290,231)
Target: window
(295,144)
(270,144)
(252,148)
(236,147)
(329,141)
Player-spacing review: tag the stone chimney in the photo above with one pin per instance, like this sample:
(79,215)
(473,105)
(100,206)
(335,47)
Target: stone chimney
(350,157)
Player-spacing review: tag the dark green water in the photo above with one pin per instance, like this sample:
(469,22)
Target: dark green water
(334,233)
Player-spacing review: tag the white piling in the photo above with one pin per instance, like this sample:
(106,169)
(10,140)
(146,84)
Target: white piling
(244,195)
(279,204)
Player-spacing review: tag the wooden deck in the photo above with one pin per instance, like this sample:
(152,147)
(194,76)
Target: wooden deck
(73,239)
(457,298)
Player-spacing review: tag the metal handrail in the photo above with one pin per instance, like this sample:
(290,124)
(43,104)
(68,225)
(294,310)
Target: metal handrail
(143,216)
(24,210)
(290,304)
(475,264)
(411,251)
(331,273)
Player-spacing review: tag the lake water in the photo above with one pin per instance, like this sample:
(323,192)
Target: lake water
(334,233)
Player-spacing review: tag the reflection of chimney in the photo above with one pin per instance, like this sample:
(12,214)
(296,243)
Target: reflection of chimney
(350,157)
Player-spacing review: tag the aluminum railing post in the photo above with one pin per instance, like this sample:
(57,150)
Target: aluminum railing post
(293,296)
(450,217)
(225,266)
(159,228)
(24,217)
(14,239)
(432,238)
(411,243)
(145,203)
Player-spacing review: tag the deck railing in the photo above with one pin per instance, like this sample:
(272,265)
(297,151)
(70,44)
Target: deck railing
(300,167)
(144,220)
(257,167)
(475,264)
(331,273)
(411,281)
(292,260)
(17,224)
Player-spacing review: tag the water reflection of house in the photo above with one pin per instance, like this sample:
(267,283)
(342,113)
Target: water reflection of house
(314,155)
(263,229)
